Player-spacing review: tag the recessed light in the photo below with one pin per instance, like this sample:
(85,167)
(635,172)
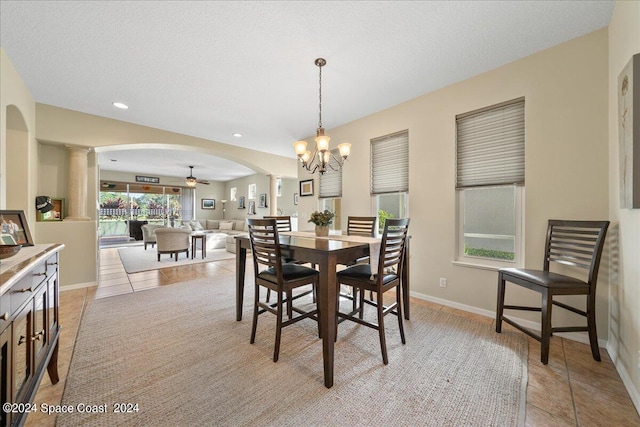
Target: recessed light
(113,160)
(120,105)
(237,135)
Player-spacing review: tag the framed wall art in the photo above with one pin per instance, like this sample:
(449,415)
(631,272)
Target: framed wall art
(263,200)
(252,208)
(251,191)
(629,133)
(306,187)
(15,230)
(208,203)
(241,202)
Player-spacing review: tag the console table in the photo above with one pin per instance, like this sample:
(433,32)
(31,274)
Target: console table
(29,327)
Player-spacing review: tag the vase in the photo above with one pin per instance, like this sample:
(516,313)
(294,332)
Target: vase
(322,230)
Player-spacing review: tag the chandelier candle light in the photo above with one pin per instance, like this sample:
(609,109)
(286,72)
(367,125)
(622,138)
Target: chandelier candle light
(320,159)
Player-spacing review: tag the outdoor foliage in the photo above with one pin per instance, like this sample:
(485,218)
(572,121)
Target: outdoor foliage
(382,219)
(489,253)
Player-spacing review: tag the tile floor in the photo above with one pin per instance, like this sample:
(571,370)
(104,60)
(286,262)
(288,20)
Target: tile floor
(572,390)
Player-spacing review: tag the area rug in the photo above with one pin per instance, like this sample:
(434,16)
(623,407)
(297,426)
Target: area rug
(176,356)
(136,259)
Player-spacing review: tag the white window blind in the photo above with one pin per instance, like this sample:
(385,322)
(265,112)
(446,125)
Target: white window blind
(490,146)
(188,200)
(390,163)
(331,181)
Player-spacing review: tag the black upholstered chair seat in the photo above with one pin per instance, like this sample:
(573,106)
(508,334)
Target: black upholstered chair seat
(545,278)
(362,272)
(289,272)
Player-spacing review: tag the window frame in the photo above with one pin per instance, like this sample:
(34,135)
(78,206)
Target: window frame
(491,263)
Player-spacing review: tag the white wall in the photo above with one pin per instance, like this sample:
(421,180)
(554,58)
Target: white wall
(624,334)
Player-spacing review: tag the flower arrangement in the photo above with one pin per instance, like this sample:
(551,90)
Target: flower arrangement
(322,218)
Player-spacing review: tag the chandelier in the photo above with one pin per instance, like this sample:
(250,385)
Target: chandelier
(320,159)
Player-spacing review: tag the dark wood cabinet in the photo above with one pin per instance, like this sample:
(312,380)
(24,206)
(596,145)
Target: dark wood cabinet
(29,328)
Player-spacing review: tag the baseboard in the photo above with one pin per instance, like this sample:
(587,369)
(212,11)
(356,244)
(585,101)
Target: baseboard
(626,379)
(77,286)
(580,337)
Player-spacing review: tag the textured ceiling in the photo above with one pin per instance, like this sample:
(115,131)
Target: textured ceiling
(211,69)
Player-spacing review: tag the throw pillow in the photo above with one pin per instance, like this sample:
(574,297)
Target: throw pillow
(187,226)
(196,226)
(226,225)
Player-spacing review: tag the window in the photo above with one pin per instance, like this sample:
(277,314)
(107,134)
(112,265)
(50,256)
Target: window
(490,184)
(331,190)
(390,176)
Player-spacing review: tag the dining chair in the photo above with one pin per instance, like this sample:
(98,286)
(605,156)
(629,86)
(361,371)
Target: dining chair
(278,276)
(572,243)
(384,278)
(283,223)
(359,226)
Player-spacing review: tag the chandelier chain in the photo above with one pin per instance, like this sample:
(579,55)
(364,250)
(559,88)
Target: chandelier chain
(320,99)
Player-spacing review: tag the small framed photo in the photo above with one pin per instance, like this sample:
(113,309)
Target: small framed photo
(306,187)
(263,200)
(251,191)
(252,208)
(241,202)
(296,198)
(15,230)
(208,203)
(55,214)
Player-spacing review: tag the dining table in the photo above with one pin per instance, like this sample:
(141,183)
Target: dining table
(326,253)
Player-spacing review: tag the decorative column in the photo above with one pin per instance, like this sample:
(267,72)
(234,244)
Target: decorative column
(77,191)
(273,195)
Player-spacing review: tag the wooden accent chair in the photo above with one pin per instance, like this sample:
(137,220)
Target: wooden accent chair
(172,241)
(385,278)
(573,243)
(279,277)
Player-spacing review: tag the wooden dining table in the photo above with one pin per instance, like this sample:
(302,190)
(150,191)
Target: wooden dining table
(326,253)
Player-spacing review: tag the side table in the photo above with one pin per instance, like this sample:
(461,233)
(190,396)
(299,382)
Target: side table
(203,241)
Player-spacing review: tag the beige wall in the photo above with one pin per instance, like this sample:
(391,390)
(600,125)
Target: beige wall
(565,88)
(285,202)
(624,335)
(17,142)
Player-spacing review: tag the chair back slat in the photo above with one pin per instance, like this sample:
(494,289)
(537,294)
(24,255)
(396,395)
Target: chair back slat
(265,244)
(361,226)
(283,222)
(577,244)
(392,245)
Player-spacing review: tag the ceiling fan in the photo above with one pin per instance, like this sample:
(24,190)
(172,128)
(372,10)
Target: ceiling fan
(191,180)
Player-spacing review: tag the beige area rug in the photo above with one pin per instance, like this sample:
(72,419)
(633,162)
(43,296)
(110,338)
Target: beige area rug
(136,259)
(178,353)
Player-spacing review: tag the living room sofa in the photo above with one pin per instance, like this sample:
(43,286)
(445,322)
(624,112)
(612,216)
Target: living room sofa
(230,227)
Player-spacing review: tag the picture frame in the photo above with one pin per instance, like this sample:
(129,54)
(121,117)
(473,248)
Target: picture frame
(263,200)
(241,202)
(15,228)
(55,214)
(251,192)
(629,133)
(208,203)
(306,187)
(296,198)
(232,194)
(252,208)
(279,186)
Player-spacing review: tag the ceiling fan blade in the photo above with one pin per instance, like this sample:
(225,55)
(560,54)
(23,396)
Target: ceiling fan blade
(202,182)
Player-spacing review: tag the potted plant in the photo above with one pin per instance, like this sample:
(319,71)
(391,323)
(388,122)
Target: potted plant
(322,220)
